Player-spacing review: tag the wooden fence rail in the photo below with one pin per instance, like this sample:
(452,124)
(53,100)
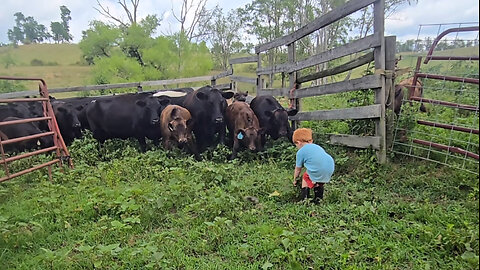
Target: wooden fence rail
(370,48)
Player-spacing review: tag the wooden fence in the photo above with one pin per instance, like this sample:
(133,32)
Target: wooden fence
(380,81)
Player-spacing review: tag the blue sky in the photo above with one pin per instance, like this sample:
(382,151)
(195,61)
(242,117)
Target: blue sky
(404,23)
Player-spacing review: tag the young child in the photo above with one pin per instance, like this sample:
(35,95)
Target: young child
(318,163)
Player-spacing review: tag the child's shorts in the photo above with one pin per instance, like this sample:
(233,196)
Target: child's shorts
(307,180)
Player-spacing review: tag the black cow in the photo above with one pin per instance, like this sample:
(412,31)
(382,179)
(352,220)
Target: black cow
(207,106)
(124,116)
(273,117)
(14,110)
(21,130)
(177,96)
(67,120)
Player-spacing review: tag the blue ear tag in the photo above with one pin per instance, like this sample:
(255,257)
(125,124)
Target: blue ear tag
(240,136)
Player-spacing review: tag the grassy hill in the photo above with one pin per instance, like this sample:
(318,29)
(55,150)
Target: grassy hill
(59,64)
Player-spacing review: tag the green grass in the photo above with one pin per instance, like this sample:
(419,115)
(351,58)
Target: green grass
(121,209)
(165,210)
(61,64)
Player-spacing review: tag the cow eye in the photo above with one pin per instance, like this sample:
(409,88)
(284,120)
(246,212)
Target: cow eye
(170,126)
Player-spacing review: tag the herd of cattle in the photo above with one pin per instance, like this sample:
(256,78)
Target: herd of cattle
(195,120)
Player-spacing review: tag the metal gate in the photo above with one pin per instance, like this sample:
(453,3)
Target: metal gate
(62,154)
(448,132)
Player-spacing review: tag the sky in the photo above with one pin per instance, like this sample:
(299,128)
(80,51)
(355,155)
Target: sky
(404,23)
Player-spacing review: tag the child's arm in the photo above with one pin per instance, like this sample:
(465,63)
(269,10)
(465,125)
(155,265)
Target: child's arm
(296,174)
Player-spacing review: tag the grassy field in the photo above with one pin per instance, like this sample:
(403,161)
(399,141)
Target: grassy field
(122,209)
(156,210)
(61,64)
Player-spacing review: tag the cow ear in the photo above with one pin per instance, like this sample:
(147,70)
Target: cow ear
(202,96)
(170,126)
(141,103)
(61,109)
(227,95)
(173,112)
(292,112)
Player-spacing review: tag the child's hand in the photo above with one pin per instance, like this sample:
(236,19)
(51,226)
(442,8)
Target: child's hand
(295,182)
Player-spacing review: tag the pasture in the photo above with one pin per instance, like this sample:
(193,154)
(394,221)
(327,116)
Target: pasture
(123,209)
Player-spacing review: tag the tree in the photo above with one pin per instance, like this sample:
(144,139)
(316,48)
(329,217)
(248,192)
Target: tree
(65,15)
(223,32)
(27,30)
(99,41)
(131,12)
(16,34)
(196,12)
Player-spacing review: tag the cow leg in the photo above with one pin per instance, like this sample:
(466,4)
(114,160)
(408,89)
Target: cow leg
(236,146)
(221,134)
(143,143)
(192,147)
(167,144)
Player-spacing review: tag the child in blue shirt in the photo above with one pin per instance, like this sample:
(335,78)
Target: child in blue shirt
(318,163)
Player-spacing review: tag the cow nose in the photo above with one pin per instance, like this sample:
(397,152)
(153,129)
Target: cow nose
(219,120)
(154,121)
(76,125)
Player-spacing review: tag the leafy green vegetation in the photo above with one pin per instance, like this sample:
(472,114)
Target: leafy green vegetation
(123,209)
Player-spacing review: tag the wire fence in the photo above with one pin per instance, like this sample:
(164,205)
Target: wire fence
(447,133)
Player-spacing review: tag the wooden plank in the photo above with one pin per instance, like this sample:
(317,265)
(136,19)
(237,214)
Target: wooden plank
(275,92)
(225,86)
(332,16)
(364,112)
(367,82)
(359,45)
(223,74)
(240,60)
(175,81)
(380,124)
(19,94)
(355,141)
(243,79)
(362,60)
(94,87)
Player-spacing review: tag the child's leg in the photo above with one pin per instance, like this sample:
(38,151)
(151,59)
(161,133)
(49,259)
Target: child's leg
(318,190)
(307,184)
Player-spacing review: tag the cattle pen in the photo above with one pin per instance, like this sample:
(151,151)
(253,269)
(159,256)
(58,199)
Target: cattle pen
(304,78)
(298,72)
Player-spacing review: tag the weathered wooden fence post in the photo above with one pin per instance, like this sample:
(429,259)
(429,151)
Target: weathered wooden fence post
(292,77)
(390,48)
(379,52)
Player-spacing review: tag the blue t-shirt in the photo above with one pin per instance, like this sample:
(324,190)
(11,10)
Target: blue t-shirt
(319,164)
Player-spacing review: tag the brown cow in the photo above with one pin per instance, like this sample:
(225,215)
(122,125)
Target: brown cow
(413,91)
(176,128)
(244,128)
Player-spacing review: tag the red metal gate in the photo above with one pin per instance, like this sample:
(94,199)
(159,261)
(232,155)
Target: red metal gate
(463,153)
(62,154)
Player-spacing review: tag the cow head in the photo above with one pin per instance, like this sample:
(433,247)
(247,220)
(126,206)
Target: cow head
(240,96)
(151,107)
(278,122)
(215,102)
(250,137)
(67,119)
(180,128)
